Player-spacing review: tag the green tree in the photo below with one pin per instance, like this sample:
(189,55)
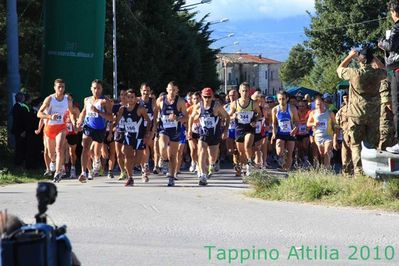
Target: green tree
(298,65)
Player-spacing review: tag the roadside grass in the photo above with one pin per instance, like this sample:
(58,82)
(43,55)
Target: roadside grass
(17,176)
(324,187)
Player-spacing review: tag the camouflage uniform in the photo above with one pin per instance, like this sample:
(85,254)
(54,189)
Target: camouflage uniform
(341,119)
(364,108)
(387,130)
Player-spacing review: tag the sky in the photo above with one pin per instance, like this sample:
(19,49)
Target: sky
(266,27)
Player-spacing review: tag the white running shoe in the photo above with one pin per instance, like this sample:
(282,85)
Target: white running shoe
(192,167)
(52,166)
(393,149)
(73,172)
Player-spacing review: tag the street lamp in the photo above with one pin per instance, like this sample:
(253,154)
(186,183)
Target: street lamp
(199,3)
(218,21)
(224,37)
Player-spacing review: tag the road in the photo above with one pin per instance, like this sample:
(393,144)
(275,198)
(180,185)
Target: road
(151,224)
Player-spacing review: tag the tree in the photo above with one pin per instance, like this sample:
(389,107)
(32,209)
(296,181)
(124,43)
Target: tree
(338,25)
(298,65)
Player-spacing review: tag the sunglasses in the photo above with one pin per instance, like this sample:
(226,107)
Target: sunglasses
(207,97)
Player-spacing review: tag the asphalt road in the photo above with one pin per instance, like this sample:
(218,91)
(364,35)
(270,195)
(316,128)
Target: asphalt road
(151,224)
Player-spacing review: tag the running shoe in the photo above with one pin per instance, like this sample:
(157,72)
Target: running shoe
(192,167)
(90,176)
(72,173)
(164,167)
(156,170)
(237,169)
(217,166)
(57,178)
(47,173)
(145,178)
(129,182)
(110,175)
(171,182)
(211,170)
(146,169)
(52,167)
(82,178)
(203,181)
(122,176)
(249,168)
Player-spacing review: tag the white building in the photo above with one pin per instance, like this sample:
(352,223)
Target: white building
(260,73)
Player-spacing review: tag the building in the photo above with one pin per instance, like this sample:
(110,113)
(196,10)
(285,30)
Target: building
(259,72)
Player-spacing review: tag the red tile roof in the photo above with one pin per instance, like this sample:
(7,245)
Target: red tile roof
(246,58)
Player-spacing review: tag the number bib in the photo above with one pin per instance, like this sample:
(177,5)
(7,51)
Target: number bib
(285,126)
(258,127)
(131,127)
(208,122)
(232,124)
(92,114)
(121,124)
(244,117)
(303,129)
(322,125)
(168,123)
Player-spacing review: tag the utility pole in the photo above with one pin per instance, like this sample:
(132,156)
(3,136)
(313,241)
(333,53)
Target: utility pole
(13,77)
(115,74)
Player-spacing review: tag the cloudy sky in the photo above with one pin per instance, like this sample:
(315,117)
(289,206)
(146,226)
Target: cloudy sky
(267,27)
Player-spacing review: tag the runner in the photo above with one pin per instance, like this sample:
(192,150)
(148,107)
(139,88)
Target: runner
(285,119)
(149,104)
(302,135)
(172,114)
(260,131)
(72,138)
(230,141)
(95,113)
(323,122)
(47,161)
(54,109)
(157,152)
(246,113)
(210,114)
(136,134)
(193,140)
(108,152)
(119,133)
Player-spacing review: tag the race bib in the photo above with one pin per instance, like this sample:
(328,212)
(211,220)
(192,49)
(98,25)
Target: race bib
(92,114)
(208,122)
(322,125)
(303,129)
(285,126)
(258,127)
(131,127)
(168,123)
(244,117)
(196,128)
(121,124)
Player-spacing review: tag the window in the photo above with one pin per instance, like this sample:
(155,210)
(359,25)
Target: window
(265,74)
(230,78)
(271,75)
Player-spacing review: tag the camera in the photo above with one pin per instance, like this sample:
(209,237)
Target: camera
(38,244)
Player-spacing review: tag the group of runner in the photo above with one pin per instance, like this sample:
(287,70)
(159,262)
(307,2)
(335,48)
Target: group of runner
(137,130)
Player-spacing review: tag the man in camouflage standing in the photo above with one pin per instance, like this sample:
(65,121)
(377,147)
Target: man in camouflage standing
(387,130)
(364,97)
(341,119)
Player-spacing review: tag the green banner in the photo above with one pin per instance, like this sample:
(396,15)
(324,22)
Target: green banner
(73,45)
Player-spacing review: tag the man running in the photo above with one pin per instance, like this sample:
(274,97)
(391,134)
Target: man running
(210,114)
(72,138)
(246,112)
(149,104)
(285,119)
(96,111)
(136,134)
(230,141)
(193,139)
(119,133)
(172,114)
(54,109)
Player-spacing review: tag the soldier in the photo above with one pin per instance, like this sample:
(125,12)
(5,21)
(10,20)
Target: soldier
(342,122)
(364,96)
(387,131)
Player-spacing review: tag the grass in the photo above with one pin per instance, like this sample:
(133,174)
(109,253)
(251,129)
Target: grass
(324,187)
(19,176)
